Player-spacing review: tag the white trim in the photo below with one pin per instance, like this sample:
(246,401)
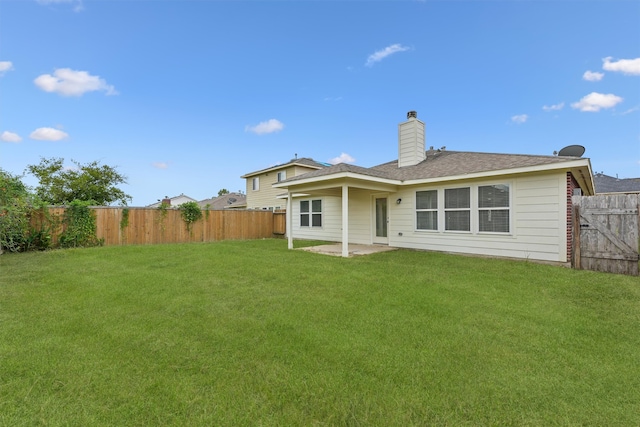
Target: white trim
(345,220)
(485,174)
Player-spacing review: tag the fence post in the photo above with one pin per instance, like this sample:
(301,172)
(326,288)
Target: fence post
(575,241)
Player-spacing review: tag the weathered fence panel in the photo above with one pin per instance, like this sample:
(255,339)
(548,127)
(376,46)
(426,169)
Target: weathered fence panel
(144,226)
(605,233)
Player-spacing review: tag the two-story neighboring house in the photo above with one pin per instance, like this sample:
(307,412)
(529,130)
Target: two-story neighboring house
(260,193)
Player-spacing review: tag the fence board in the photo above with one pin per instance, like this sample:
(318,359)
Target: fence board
(154,226)
(606,237)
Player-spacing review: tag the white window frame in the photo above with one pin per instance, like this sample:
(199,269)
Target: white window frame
(494,208)
(474,209)
(282,175)
(311,214)
(464,209)
(418,210)
(255,183)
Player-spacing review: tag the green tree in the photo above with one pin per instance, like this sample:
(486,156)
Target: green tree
(87,182)
(222,192)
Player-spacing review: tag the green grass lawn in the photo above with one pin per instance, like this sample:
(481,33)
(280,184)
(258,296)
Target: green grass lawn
(249,333)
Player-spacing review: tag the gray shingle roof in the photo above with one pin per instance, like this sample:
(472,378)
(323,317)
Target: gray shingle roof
(305,161)
(610,184)
(440,164)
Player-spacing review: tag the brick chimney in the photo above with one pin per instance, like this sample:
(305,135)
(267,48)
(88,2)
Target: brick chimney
(411,141)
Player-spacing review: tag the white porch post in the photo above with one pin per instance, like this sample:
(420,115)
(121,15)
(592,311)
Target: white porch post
(288,219)
(345,220)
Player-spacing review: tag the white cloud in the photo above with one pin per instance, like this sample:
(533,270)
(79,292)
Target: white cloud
(592,76)
(519,119)
(48,134)
(381,54)
(68,82)
(626,66)
(160,165)
(77,3)
(269,126)
(5,66)
(554,107)
(342,158)
(7,136)
(596,101)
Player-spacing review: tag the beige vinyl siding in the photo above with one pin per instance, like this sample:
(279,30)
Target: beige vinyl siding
(360,216)
(331,229)
(537,221)
(265,196)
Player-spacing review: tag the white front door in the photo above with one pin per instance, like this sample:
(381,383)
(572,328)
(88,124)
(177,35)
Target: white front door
(381,220)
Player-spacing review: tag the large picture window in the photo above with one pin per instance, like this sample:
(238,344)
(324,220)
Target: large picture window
(311,213)
(493,208)
(427,210)
(457,209)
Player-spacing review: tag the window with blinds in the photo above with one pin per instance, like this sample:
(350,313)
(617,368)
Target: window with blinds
(457,209)
(427,210)
(493,208)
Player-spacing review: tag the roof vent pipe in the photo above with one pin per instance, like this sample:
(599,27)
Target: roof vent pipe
(413,114)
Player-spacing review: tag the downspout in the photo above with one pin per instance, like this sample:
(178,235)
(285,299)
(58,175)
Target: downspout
(289,220)
(345,221)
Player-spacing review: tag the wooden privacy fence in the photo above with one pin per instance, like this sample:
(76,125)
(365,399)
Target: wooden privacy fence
(605,233)
(143,226)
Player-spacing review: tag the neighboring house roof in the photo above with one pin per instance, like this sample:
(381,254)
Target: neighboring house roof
(443,164)
(229,200)
(303,161)
(609,184)
(175,201)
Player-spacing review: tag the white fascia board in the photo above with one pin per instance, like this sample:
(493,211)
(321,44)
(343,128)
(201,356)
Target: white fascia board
(499,172)
(293,195)
(336,176)
(278,167)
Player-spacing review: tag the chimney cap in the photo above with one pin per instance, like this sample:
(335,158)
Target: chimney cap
(413,114)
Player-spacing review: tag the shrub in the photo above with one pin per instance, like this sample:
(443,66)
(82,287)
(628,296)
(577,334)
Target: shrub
(80,226)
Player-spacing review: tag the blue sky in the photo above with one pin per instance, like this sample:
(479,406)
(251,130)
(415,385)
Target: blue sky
(187,96)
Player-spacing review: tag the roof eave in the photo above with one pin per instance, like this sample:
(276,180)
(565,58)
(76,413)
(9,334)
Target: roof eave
(336,176)
(278,167)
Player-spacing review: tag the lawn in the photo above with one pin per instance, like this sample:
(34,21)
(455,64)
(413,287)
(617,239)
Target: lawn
(249,333)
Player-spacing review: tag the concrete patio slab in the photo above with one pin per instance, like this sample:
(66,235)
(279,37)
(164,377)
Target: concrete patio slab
(354,250)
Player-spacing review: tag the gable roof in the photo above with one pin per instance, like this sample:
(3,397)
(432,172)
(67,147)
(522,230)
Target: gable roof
(609,184)
(441,164)
(303,161)
(224,201)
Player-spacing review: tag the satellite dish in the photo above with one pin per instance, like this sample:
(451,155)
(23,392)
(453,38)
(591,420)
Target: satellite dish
(572,151)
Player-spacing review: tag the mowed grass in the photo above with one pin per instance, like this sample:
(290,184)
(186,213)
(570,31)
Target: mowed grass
(249,333)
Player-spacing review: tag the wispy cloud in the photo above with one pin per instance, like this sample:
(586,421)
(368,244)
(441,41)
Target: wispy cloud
(77,4)
(597,101)
(160,165)
(68,82)
(332,98)
(630,110)
(519,119)
(342,158)
(626,66)
(5,66)
(269,126)
(7,136)
(554,107)
(48,134)
(383,53)
(592,76)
